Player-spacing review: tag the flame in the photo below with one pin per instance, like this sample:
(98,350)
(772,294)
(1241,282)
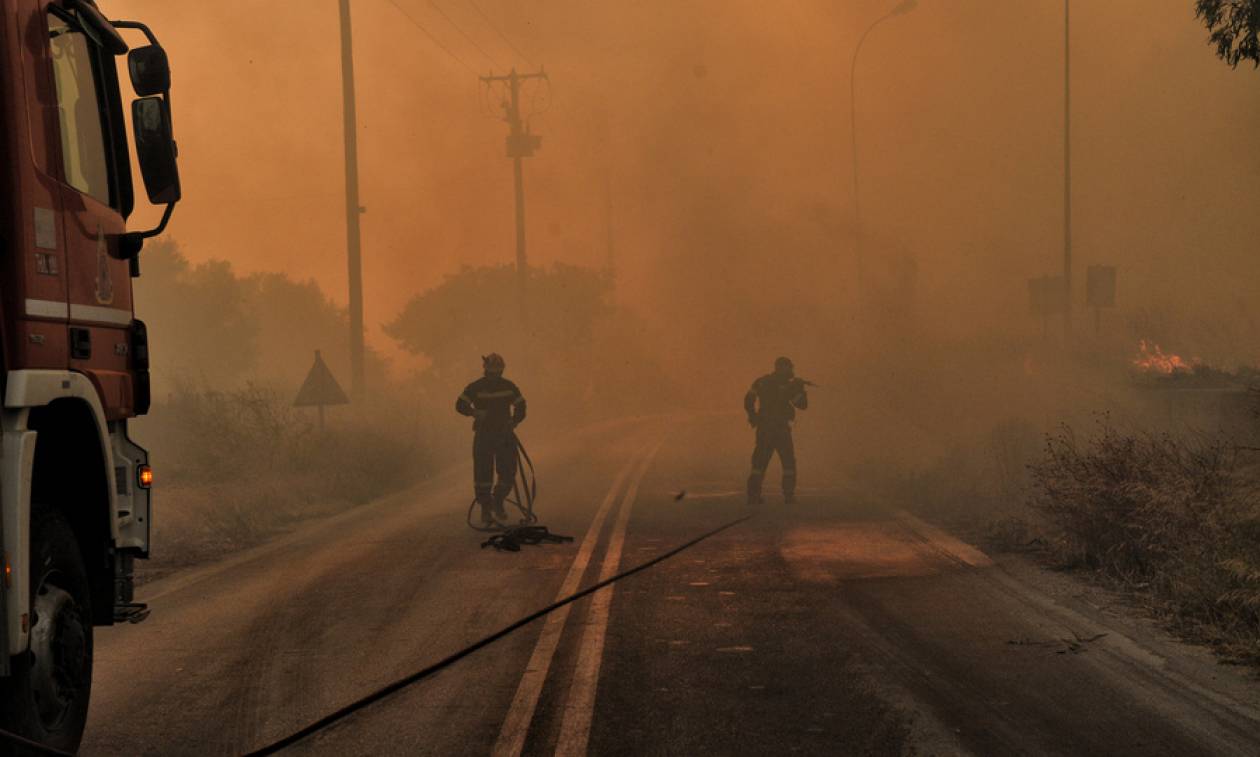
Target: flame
(1151,359)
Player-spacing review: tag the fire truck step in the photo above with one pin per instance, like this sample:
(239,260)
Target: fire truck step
(130,612)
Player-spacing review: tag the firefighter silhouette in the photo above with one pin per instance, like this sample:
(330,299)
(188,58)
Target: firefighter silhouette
(771,405)
(497,408)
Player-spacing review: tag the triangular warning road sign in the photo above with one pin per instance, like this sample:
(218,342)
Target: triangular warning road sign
(320,388)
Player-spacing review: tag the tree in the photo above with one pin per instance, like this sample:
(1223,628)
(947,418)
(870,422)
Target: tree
(211,326)
(199,325)
(1234,27)
(577,354)
(476,311)
(295,318)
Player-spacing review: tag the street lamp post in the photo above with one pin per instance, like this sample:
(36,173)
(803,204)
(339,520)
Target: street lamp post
(905,6)
(1067,169)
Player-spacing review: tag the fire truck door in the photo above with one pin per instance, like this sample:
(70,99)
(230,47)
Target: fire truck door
(99,287)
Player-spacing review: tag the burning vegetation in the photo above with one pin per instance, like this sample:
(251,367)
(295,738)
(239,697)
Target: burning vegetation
(1152,359)
(1158,370)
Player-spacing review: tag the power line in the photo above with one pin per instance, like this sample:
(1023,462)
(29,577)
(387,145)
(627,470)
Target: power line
(464,34)
(484,103)
(533,99)
(432,38)
(502,36)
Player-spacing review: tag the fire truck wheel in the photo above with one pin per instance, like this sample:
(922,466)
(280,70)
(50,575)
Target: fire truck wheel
(46,697)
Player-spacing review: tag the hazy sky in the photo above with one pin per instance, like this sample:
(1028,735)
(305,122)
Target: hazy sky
(722,131)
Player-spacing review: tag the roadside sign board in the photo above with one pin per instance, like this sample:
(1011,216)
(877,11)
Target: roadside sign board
(320,388)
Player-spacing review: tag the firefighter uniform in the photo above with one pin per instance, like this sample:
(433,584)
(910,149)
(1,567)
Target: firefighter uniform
(771,405)
(497,407)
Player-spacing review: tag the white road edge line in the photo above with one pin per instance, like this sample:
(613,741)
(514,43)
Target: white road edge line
(944,543)
(579,708)
(516,725)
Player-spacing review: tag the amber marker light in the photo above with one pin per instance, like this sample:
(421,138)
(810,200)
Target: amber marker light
(8,573)
(145,476)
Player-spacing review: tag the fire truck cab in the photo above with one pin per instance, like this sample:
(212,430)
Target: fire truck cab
(75,508)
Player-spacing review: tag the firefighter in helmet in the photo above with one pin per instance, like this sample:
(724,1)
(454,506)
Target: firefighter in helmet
(497,408)
(771,405)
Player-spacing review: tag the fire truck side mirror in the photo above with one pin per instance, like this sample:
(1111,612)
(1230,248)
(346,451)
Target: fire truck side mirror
(150,70)
(155,149)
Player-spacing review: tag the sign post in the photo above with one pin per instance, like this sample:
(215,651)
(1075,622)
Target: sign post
(1047,296)
(1100,291)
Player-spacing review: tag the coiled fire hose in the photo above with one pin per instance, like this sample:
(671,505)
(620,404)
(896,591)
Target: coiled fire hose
(510,538)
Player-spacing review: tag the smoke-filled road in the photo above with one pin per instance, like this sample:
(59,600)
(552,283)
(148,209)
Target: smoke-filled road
(831,627)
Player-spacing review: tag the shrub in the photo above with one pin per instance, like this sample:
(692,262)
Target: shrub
(1175,517)
(205,435)
(237,466)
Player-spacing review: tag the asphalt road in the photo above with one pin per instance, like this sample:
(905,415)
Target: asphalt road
(836,626)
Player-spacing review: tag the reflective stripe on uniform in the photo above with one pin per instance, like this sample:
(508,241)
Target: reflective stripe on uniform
(759,471)
(496,395)
(464,398)
(518,401)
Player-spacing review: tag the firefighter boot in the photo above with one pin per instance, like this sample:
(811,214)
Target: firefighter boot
(487,511)
(500,496)
(754,487)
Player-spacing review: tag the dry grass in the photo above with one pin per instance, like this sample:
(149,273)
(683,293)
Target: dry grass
(236,467)
(1176,519)
(978,489)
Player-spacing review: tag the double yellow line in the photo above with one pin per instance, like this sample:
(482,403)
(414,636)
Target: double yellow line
(579,705)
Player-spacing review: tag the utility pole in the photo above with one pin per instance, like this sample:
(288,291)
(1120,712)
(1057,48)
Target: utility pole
(1067,170)
(905,6)
(520,144)
(353,209)
(611,238)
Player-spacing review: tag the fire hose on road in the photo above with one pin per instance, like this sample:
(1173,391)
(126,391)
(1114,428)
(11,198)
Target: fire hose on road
(30,747)
(402,683)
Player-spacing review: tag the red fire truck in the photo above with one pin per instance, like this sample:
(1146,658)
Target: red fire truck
(75,508)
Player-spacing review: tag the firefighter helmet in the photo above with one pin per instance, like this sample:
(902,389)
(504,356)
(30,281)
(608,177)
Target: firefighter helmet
(782,364)
(493,363)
